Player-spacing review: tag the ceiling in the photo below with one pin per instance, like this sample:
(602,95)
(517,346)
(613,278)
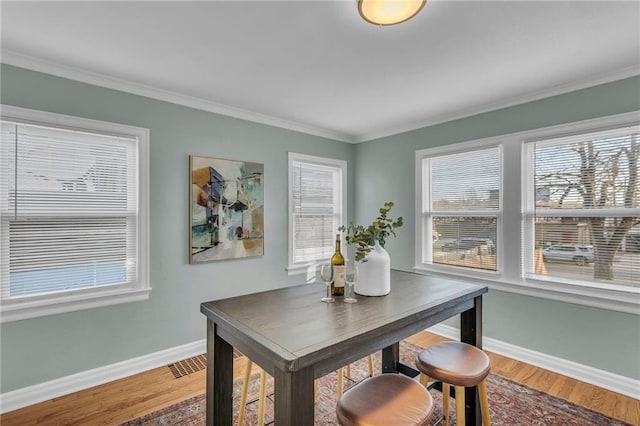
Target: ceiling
(317,67)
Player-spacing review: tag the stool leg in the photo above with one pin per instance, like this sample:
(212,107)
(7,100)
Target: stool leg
(424,380)
(460,411)
(340,384)
(370,364)
(446,389)
(484,402)
(315,389)
(243,393)
(262,397)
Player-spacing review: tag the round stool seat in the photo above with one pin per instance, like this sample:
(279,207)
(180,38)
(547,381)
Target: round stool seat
(385,400)
(457,363)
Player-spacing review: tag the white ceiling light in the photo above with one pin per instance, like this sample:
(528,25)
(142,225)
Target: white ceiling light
(389,12)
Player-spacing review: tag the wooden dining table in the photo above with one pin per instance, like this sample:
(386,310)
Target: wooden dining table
(296,338)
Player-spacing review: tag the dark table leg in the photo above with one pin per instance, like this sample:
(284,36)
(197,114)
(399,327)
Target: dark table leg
(294,401)
(391,358)
(219,379)
(471,333)
(391,362)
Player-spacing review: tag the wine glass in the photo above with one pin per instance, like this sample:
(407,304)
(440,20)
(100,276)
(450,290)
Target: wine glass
(326,274)
(350,277)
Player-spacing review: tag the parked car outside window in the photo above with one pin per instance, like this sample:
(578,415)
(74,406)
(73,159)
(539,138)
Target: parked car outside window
(580,254)
(468,243)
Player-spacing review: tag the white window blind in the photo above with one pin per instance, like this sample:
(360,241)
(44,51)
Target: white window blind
(582,215)
(317,194)
(461,209)
(69,206)
(564,202)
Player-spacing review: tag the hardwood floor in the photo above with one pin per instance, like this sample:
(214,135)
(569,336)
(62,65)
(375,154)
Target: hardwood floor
(121,400)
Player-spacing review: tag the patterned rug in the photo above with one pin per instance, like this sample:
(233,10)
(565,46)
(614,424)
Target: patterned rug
(510,403)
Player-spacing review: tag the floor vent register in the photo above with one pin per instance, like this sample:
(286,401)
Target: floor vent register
(193,364)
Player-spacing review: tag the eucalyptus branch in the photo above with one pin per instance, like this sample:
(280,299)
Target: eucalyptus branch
(380,229)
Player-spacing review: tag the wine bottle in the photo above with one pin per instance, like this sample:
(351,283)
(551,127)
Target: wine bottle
(337,260)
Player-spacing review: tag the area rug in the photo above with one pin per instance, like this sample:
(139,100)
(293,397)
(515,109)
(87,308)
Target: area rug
(510,403)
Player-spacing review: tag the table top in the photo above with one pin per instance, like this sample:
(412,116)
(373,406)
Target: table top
(290,328)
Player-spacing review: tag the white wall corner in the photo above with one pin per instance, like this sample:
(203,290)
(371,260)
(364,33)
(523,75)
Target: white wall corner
(13,400)
(604,379)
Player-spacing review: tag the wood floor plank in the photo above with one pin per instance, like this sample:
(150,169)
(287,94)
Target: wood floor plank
(563,387)
(140,394)
(546,379)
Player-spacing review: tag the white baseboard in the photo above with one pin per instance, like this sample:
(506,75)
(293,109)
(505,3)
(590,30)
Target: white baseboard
(29,395)
(604,379)
(23,397)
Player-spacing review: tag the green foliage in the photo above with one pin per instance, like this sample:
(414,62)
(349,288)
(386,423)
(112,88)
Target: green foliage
(380,229)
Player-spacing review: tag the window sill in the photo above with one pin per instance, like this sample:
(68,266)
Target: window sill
(26,308)
(620,300)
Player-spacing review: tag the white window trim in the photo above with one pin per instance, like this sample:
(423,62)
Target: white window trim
(510,279)
(302,268)
(424,251)
(42,305)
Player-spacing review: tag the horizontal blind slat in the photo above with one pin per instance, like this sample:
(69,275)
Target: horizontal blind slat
(316,210)
(469,242)
(68,207)
(585,199)
(463,181)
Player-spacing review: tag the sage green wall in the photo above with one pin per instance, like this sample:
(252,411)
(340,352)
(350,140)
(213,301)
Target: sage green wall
(37,350)
(42,349)
(385,172)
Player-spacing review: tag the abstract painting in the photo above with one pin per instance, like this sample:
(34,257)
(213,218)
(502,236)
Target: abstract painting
(226,209)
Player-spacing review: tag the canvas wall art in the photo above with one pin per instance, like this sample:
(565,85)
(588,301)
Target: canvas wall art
(226,209)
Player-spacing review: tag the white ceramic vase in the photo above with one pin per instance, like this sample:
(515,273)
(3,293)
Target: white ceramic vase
(374,278)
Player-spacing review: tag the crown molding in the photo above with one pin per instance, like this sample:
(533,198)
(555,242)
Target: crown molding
(49,67)
(20,60)
(609,77)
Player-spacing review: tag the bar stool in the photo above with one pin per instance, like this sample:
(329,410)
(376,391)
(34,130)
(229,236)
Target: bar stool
(348,368)
(263,388)
(460,365)
(385,400)
(262,396)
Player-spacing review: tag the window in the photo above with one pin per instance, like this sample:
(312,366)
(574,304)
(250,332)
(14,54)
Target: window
(582,210)
(552,212)
(461,208)
(73,213)
(317,208)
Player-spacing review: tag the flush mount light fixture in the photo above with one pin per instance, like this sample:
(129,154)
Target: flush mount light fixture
(389,12)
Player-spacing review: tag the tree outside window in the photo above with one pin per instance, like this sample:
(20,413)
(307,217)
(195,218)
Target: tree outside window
(586,193)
